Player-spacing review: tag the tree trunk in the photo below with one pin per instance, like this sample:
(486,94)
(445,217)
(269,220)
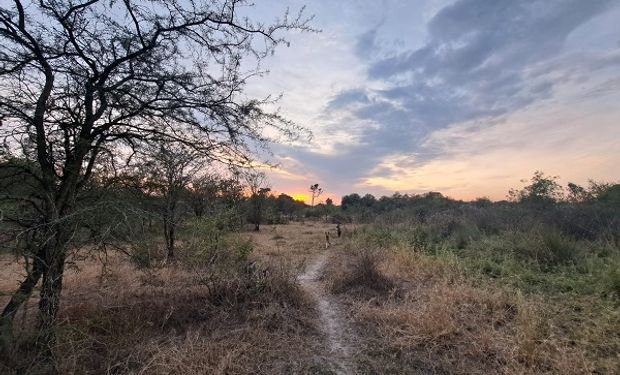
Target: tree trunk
(257,227)
(170,242)
(19,297)
(169,234)
(51,287)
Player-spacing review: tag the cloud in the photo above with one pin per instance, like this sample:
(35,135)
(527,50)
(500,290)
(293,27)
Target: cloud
(482,60)
(391,118)
(472,160)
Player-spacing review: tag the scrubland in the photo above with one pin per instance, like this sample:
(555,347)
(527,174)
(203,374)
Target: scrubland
(455,292)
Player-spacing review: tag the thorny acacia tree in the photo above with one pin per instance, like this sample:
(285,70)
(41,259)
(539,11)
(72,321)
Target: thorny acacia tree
(258,186)
(165,171)
(203,190)
(84,79)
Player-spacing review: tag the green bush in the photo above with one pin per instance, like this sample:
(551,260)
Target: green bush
(612,280)
(144,254)
(558,249)
(208,242)
(240,247)
(549,249)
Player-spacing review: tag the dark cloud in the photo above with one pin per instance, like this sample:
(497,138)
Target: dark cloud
(367,45)
(474,65)
(347,98)
(477,58)
(479,36)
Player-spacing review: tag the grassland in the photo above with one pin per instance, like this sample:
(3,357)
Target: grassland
(234,305)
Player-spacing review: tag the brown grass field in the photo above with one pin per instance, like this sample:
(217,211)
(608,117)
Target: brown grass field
(370,312)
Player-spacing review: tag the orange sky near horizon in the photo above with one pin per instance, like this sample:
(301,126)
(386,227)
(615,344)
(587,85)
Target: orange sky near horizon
(299,195)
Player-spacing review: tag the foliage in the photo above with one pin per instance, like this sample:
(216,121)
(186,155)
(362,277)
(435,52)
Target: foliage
(209,242)
(315,191)
(84,87)
(541,190)
(144,254)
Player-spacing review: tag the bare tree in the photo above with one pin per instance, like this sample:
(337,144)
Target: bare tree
(84,81)
(315,190)
(259,188)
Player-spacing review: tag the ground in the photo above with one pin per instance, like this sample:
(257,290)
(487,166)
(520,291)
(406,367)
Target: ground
(303,307)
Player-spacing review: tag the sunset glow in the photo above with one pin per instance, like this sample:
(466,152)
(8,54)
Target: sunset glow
(301,197)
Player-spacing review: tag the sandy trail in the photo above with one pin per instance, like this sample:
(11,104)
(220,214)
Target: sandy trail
(333,323)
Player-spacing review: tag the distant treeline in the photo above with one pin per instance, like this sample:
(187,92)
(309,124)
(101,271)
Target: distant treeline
(541,193)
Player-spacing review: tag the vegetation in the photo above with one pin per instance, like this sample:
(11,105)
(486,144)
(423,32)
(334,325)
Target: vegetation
(522,286)
(529,285)
(138,235)
(87,85)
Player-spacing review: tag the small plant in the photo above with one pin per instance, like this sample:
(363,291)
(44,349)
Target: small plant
(144,254)
(549,249)
(558,249)
(612,281)
(363,275)
(243,248)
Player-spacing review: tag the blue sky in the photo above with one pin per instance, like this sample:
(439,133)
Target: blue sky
(465,97)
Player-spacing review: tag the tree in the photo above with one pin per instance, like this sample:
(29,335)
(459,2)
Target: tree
(165,170)
(257,183)
(577,194)
(350,201)
(541,190)
(315,190)
(368,200)
(288,206)
(203,191)
(329,202)
(84,84)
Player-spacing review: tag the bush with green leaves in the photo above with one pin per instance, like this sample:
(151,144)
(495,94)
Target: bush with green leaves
(208,242)
(144,254)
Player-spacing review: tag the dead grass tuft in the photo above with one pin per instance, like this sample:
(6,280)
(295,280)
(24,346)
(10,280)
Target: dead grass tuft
(357,273)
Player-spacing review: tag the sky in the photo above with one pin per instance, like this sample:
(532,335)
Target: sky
(464,97)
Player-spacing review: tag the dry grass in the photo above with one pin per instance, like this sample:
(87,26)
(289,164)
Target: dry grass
(291,246)
(242,324)
(435,321)
(173,320)
(412,314)
(357,274)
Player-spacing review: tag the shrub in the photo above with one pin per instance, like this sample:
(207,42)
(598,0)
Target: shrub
(362,275)
(144,254)
(549,249)
(240,247)
(209,246)
(558,249)
(612,280)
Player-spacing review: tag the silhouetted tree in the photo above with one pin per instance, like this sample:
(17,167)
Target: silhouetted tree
(349,201)
(315,190)
(577,194)
(257,183)
(203,191)
(166,171)
(542,189)
(79,79)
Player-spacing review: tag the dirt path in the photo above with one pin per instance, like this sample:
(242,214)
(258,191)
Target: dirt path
(333,323)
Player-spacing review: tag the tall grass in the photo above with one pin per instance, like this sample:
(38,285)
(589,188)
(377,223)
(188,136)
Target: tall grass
(516,299)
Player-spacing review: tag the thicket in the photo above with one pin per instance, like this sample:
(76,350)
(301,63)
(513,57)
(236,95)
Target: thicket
(541,240)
